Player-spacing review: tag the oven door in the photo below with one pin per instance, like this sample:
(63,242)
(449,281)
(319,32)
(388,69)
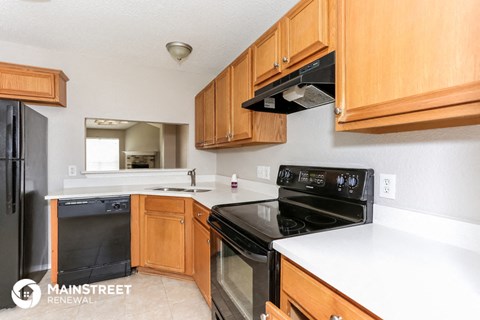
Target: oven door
(242,275)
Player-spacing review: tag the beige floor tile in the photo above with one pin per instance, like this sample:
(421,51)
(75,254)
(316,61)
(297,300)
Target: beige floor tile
(152,297)
(197,311)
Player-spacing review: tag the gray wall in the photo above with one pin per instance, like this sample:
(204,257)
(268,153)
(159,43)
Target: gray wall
(181,148)
(438,171)
(142,137)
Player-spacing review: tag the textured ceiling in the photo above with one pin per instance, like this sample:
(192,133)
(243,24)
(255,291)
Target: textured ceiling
(139,29)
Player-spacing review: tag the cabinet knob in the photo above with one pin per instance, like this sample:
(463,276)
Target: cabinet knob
(182,221)
(276,65)
(337,111)
(264,316)
(208,241)
(199,214)
(285,59)
(334,317)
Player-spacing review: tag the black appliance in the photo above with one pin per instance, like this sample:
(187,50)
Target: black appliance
(23,187)
(311,86)
(244,267)
(93,239)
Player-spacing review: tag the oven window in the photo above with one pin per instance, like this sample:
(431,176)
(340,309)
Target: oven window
(236,278)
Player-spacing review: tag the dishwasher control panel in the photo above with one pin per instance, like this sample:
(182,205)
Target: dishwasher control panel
(117,205)
(70,208)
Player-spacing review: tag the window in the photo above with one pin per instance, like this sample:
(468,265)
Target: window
(103,154)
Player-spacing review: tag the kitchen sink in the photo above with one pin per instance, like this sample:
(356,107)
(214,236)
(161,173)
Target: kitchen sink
(196,190)
(169,189)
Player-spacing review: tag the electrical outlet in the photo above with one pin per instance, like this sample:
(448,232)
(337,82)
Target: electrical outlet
(263,172)
(387,185)
(72,171)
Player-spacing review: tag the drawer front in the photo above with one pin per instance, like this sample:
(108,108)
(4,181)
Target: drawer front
(314,297)
(165,204)
(201,214)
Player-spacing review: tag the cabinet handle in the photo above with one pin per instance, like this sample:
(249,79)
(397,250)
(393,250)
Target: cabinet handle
(276,65)
(337,111)
(264,316)
(334,317)
(199,214)
(208,241)
(182,221)
(285,59)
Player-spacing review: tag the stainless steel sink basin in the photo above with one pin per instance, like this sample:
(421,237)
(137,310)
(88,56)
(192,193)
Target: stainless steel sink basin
(196,190)
(169,189)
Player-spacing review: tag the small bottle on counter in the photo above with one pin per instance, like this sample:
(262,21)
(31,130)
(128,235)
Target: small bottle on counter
(234,182)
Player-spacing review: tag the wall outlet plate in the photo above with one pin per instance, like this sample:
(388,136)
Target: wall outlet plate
(263,172)
(388,185)
(72,171)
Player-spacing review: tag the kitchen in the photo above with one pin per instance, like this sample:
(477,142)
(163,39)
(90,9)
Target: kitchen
(435,169)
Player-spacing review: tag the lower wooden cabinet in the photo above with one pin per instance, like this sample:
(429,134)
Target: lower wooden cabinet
(165,234)
(273,313)
(303,296)
(201,251)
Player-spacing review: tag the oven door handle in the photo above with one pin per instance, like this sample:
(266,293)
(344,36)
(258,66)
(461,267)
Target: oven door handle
(243,252)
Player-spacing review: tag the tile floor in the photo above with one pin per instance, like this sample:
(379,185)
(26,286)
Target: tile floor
(151,297)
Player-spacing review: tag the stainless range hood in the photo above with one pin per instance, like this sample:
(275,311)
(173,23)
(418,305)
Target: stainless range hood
(309,87)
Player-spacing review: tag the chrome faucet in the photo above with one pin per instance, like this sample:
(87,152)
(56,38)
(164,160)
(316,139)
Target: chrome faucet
(192,175)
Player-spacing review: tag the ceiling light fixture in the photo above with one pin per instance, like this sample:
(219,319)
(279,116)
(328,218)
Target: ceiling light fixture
(179,50)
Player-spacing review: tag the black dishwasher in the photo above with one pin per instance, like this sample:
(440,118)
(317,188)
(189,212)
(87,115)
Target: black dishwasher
(93,239)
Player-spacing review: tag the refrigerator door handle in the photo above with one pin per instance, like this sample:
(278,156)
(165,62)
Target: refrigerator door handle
(9,187)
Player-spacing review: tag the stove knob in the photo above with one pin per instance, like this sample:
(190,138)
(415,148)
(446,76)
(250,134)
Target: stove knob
(340,181)
(285,174)
(352,182)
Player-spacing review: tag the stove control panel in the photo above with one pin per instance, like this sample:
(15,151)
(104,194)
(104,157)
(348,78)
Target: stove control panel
(340,182)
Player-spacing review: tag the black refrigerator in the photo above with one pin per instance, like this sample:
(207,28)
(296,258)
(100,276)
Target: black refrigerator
(23,186)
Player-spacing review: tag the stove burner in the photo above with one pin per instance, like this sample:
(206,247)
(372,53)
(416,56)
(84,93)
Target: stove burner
(320,220)
(289,225)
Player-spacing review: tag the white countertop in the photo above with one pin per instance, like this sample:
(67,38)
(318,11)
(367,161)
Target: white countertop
(221,193)
(394,274)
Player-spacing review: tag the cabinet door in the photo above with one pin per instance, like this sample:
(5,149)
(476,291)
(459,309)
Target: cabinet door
(407,65)
(32,84)
(209,108)
(201,259)
(222,107)
(304,31)
(273,313)
(266,55)
(242,90)
(199,120)
(164,242)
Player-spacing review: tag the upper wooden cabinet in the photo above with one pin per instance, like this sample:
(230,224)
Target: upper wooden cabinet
(407,65)
(209,114)
(223,106)
(233,125)
(199,120)
(301,33)
(32,84)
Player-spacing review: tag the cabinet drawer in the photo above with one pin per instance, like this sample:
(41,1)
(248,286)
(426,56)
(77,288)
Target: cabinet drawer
(165,204)
(201,214)
(312,296)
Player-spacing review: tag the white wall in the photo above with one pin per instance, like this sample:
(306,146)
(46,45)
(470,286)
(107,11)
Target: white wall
(142,137)
(106,88)
(438,171)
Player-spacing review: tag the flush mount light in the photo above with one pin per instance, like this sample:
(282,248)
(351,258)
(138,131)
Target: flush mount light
(179,50)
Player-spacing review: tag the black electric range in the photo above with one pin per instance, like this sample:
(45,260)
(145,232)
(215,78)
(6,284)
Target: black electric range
(310,199)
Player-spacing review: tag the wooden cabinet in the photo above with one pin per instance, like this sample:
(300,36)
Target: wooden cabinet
(407,65)
(303,296)
(233,125)
(223,107)
(266,55)
(201,251)
(301,33)
(199,120)
(32,84)
(165,234)
(209,114)
(273,313)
